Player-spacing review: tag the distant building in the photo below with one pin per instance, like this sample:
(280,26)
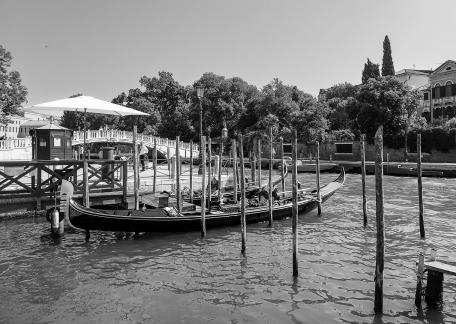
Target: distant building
(13,129)
(443,83)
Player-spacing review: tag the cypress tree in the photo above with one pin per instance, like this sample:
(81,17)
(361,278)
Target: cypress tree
(371,70)
(387,66)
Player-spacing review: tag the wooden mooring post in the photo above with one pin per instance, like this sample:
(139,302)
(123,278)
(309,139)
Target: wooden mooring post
(282,171)
(135,167)
(317,172)
(154,188)
(191,172)
(253,163)
(420,186)
(259,162)
(295,210)
(209,189)
(380,246)
(233,148)
(178,177)
(270,178)
(363,176)
(220,161)
(203,186)
(242,189)
(419,280)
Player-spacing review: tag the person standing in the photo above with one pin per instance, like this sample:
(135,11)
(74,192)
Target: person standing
(143,155)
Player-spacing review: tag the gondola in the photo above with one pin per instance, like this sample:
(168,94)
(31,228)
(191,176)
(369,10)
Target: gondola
(167,219)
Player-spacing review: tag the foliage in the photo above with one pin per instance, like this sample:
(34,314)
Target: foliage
(341,135)
(370,70)
(384,101)
(12,92)
(341,102)
(387,64)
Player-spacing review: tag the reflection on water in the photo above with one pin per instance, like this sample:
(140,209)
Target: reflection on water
(183,278)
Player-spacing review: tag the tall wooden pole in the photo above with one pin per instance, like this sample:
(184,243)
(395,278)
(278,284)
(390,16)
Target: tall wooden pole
(135,167)
(191,172)
(209,190)
(178,177)
(420,186)
(254,164)
(378,307)
(203,186)
(363,176)
(155,165)
(220,172)
(259,162)
(283,164)
(317,171)
(270,177)
(295,210)
(233,148)
(85,181)
(242,183)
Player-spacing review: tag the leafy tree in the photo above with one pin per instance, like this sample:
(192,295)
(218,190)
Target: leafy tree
(371,70)
(341,102)
(12,92)
(384,101)
(387,64)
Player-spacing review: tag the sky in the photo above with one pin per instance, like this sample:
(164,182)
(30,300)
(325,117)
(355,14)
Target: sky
(103,47)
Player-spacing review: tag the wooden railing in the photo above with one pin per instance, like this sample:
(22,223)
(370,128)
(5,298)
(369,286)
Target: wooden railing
(40,179)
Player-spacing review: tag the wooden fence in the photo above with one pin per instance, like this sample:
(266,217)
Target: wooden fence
(40,179)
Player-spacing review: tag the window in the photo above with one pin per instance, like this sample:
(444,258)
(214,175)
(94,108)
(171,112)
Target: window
(57,141)
(43,141)
(448,89)
(453,89)
(426,96)
(344,148)
(436,91)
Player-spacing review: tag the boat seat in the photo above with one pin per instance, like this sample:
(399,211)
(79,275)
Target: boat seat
(122,212)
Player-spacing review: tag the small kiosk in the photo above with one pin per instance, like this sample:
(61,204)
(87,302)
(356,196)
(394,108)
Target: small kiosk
(52,142)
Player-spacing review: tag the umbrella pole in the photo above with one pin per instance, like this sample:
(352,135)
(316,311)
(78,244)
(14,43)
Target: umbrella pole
(85,178)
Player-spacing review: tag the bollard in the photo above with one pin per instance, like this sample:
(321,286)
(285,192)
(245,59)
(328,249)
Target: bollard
(242,189)
(203,186)
(295,210)
(363,176)
(420,186)
(55,224)
(380,247)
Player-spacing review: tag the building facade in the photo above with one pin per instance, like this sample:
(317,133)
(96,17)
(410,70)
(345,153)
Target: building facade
(439,98)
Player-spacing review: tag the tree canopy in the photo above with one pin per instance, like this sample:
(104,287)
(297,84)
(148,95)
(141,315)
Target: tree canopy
(12,92)
(370,70)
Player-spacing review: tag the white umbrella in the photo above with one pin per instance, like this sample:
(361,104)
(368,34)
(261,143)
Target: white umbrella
(84,104)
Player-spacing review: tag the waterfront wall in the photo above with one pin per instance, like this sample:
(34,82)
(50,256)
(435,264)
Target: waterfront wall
(329,151)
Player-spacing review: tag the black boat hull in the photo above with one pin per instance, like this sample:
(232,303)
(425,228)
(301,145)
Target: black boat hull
(160,220)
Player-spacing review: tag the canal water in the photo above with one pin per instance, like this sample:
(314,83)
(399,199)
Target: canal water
(181,278)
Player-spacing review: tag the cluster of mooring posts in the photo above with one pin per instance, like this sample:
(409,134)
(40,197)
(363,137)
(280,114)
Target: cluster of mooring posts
(435,270)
